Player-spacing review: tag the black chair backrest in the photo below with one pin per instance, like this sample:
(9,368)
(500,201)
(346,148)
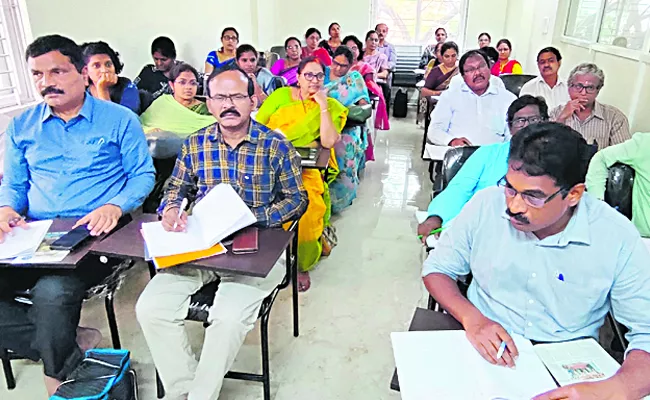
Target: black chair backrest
(146,99)
(618,190)
(453,161)
(515,82)
(278,82)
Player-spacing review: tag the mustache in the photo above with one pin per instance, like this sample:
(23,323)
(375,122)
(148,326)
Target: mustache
(518,217)
(546,69)
(51,90)
(232,111)
(477,77)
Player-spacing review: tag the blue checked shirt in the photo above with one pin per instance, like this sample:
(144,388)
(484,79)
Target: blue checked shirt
(264,169)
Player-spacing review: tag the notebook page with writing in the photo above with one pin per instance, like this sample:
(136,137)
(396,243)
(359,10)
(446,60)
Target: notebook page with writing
(444,365)
(161,243)
(24,241)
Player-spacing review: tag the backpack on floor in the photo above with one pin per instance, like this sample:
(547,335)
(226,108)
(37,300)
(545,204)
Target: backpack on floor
(400,104)
(105,374)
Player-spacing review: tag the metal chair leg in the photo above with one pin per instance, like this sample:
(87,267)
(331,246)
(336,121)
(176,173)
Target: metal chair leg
(112,321)
(266,371)
(6,367)
(160,389)
(294,286)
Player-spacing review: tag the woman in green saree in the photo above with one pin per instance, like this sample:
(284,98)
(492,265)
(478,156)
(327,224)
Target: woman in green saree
(306,116)
(181,113)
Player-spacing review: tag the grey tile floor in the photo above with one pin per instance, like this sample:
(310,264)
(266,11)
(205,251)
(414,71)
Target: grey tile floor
(365,290)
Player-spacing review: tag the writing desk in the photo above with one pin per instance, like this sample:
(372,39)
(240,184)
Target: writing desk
(128,243)
(322,162)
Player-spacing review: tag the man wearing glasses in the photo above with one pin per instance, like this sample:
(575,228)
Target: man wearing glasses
(482,169)
(473,114)
(548,260)
(548,84)
(264,168)
(600,123)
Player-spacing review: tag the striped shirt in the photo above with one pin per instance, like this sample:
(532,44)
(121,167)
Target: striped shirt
(607,125)
(264,169)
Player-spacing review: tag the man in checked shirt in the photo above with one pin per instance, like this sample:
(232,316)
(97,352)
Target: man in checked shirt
(264,168)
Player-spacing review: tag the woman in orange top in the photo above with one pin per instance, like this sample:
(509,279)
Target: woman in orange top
(504,65)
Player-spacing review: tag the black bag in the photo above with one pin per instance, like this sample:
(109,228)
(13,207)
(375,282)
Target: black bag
(400,104)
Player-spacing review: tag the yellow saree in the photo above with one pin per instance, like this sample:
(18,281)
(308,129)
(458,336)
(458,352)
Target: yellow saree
(299,121)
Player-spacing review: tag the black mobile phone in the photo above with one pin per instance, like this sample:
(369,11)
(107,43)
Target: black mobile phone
(72,239)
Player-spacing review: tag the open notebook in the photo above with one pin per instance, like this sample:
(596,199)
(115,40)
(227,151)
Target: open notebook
(216,216)
(24,242)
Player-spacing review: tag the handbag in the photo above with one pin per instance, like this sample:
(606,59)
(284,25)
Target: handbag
(359,114)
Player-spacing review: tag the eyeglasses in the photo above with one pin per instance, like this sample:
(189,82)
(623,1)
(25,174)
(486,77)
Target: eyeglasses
(310,76)
(579,87)
(521,122)
(530,200)
(338,64)
(474,70)
(234,98)
(230,38)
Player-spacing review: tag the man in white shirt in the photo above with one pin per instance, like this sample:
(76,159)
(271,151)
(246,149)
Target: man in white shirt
(475,112)
(548,85)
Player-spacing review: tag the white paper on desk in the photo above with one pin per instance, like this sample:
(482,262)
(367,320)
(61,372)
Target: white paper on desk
(577,361)
(216,216)
(24,242)
(436,152)
(444,365)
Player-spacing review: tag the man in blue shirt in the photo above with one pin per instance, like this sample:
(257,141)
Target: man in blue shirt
(72,156)
(549,262)
(484,168)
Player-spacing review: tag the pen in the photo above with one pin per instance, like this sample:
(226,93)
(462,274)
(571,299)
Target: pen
(180,211)
(502,349)
(433,232)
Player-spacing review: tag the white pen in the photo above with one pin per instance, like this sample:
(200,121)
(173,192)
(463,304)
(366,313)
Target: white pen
(180,212)
(502,349)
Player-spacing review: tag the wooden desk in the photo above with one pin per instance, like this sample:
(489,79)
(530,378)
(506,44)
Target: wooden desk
(428,320)
(128,243)
(322,162)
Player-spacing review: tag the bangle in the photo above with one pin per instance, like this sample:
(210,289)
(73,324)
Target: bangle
(324,111)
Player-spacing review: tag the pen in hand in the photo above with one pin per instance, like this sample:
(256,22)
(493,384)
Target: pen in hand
(502,349)
(433,232)
(180,212)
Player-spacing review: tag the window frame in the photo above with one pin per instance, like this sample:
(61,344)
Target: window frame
(592,43)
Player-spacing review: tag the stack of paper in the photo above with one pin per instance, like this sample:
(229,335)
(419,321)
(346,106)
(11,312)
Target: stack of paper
(218,215)
(444,365)
(24,242)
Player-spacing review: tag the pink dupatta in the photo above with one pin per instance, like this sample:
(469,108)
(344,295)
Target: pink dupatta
(365,70)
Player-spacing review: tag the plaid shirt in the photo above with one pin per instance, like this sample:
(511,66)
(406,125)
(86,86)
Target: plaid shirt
(264,169)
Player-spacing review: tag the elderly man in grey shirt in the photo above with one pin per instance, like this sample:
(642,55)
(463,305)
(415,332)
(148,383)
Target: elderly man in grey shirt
(548,262)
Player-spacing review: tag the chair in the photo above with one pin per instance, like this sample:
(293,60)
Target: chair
(106,289)
(279,50)
(271,59)
(278,82)
(202,300)
(164,148)
(515,82)
(146,99)
(618,192)
(454,159)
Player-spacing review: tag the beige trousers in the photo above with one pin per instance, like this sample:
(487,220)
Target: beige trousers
(161,311)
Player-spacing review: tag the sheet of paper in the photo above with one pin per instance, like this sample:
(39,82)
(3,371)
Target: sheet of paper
(444,365)
(44,254)
(161,243)
(435,152)
(24,242)
(577,361)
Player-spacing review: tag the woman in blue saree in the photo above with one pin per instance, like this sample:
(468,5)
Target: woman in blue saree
(349,88)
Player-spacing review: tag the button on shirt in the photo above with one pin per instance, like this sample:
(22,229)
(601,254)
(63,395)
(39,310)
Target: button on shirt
(264,169)
(55,168)
(462,113)
(555,289)
(482,169)
(607,125)
(554,96)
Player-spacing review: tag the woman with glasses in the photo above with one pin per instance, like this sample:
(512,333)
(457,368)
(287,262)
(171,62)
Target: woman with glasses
(372,56)
(484,168)
(225,56)
(288,67)
(181,112)
(104,82)
(504,64)
(307,117)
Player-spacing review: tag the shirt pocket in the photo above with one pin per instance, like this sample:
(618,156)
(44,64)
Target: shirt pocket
(573,304)
(256,189)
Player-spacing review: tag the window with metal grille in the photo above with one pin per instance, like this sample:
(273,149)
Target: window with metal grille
(15,82)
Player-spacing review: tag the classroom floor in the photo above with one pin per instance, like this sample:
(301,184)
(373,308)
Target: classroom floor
(368,288)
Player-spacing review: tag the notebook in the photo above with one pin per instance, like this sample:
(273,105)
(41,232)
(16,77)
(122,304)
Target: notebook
(216,216)
(24,242)
(444,365)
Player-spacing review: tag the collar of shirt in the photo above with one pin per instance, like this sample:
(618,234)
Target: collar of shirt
(492,89)
(386,44)
(576,231)
(251,137)
(560,83)
(85,112)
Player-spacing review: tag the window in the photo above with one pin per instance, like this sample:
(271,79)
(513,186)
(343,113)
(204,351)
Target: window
(622,23)
(415,21)
(625,23)
(15,83)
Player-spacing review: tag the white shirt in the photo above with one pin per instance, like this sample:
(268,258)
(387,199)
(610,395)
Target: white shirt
(457,81)
(462,113)
(558,95)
